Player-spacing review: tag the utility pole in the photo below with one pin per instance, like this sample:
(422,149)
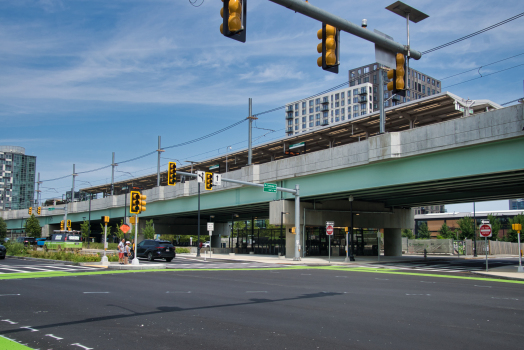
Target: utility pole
(73,186)
(113,164)
(159,150)
(38,191)
(381,100)
(198,223)
(250,133)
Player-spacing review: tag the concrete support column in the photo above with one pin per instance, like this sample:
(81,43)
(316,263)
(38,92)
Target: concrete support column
(392,242)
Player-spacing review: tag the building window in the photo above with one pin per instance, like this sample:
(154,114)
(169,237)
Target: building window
(303,119)
(311,103)
(317,101)
(342,103)
(355,115)
(296,106)
(317,116)
(342,95)
(409,83)
(423,78)
(290,122)
(311,118)
(325,114)
(355,92)
(303,126)
(296,121)
(296,113)
(374,67)
(366,70)
(438,84)
(366,80)
(310,124)
(359,81)
(352,83)
(433,82)
(342,118)
(342,110)
(374,79)
(355,99)
(359,71)
(296,127)
(303,105)
(337,97)
(423,89)
(310,109)
(355,107)
(337,112)
(317,109)
(433,92)
(317,123)
(337,104)
(337,119)
(352,74)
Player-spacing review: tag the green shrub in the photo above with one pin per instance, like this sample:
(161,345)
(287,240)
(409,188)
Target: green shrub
(14,248)
(182,250)
(110,246)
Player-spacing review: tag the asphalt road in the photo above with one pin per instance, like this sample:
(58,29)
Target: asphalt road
(311,308)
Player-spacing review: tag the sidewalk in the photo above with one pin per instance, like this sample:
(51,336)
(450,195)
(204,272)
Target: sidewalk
(506,272)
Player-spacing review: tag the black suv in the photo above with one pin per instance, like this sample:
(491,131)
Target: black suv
(155,249)
(26,240)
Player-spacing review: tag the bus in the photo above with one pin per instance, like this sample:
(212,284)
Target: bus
(64,240)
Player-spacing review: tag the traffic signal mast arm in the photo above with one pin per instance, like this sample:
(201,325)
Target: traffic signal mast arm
(323,16)
(283,189)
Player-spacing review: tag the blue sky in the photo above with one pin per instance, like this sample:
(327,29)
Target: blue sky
(82,79)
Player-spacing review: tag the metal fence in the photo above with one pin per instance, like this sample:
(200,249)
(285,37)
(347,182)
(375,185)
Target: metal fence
(452,247)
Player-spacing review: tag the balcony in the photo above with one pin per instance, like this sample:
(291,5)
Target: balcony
(324,122)
(324,108)
(363,99)
(362,92)
(289,109)
(325,101)
(395,98)
(289,115)
(289,129)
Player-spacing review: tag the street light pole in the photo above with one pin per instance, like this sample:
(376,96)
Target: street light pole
(281,228)
(198,222)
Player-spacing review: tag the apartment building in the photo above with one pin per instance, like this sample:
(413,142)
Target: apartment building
(17,178)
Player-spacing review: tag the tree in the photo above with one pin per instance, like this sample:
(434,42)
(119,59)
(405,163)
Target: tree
(407,233)
(108,230)
(512,235)
(423,231)
(445,232)
(32,227)
(3,229)
(466,227)
(149,230)
(495,226)
(85,229)
(119,233)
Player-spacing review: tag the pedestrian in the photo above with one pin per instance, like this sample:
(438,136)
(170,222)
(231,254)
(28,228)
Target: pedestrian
(127,252)
(121,248)
(132,248)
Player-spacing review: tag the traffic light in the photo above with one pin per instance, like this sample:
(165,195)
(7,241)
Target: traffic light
(233,14)
(171,174)
(209,181)
(105,219)
(30,210)
(398,84)
(39,210)
(69,224)
(329,48)
(138,202)
(62,225)
(292,230)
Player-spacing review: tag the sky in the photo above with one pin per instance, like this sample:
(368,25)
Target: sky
(81,79)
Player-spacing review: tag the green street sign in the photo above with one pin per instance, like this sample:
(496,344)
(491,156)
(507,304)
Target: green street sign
(297,145)
(216,166)
(50,209)
(270,187)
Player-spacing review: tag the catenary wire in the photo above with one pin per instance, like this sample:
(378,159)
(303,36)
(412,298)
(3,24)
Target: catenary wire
(477,68)
(517,100)
(473,34)
(500,71)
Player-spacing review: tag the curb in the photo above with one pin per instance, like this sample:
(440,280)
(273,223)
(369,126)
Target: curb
(65,262)
(497,276)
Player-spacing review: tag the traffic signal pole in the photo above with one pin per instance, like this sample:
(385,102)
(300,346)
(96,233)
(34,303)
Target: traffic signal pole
(250,133)
(381,100)
(295,192)
(323,16)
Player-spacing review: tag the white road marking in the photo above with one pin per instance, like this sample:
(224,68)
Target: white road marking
(33,268)
(5,268)
(305,274)
(96,292)
(179,292)
(31,329)
(4,295)
(382,279)
(419,294)
(9,321)
(53,336)
(82,346)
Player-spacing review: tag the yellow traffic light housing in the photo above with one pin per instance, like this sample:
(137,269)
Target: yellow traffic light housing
(69,224)
(62,225)
(329,48)
(209,181)
(138,202)
(171,174)
(233,14)
(105,219)
(30,210)
(398,84)
(39,210)
(292,230)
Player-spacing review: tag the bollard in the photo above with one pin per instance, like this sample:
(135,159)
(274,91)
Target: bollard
(425,253)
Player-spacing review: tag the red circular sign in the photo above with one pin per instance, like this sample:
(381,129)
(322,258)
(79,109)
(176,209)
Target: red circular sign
(485,230)
(329,230)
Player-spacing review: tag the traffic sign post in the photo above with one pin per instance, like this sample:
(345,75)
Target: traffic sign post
(518,228)
(329,232)
(210,229)
(485,231)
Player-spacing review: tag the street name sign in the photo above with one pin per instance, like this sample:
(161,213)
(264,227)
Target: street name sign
(485,230)
(50,209)
(297,145)
(270,187)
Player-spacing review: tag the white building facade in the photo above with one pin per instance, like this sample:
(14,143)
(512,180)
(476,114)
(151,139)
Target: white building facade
(329,108)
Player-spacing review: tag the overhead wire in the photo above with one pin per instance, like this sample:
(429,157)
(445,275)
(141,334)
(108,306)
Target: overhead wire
(473,34)
(486,75)
(478,68)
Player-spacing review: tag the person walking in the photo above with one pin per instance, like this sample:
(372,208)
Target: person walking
(121,249)
(127,252)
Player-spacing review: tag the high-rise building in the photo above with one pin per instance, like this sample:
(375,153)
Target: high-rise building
(516,204)
(418,85)
(332,107)
(360,98)
(17,178)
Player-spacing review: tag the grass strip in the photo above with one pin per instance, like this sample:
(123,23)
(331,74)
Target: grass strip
(6,343)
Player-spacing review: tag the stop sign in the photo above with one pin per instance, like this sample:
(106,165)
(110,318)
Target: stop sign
(329,230)
(485,230)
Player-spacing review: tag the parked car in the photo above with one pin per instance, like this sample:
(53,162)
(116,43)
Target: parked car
(206,244)
(2,252)
(26,240)
(155,249)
